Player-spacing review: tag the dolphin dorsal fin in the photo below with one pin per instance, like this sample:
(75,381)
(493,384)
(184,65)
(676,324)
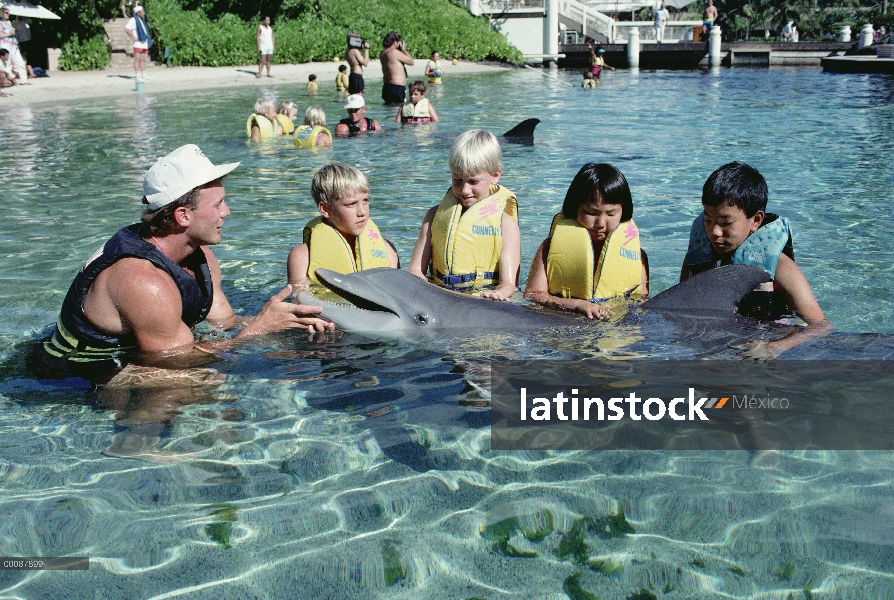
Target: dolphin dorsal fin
(523,132)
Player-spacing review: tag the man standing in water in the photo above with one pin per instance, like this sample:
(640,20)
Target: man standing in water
(356,61)
(153,281)
(394,59)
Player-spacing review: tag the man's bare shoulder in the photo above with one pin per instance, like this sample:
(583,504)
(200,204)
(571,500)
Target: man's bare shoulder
(137,276)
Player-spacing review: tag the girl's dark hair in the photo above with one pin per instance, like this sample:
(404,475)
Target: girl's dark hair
(598,181)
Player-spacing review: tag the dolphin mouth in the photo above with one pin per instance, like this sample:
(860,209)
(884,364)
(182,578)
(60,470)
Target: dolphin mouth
(359,302)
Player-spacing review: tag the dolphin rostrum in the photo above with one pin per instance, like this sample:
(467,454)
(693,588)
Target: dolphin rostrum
(393,302)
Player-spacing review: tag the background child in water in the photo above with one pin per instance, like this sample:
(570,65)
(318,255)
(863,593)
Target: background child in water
(341,80)
(312,83)
(313,132)
(433,69)
(471,239)
(343,238)
(285,115)
(418,109)
(593,251)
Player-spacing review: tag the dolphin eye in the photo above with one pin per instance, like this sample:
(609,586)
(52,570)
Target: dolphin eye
(421,319)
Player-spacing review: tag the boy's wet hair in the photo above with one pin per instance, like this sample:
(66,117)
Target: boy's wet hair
(335,181)
(598,182)
(343,68)
(475,151)
(311,77)
(263,106)
(417,86)
(314,116)
(736,184)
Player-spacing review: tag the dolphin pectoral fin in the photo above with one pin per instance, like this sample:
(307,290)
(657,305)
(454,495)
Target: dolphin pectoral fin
(714,291)
(523,133)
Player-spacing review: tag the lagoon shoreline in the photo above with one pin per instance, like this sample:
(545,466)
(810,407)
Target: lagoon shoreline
(64,86)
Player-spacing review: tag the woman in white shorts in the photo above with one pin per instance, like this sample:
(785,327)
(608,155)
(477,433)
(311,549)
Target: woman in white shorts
(264,36)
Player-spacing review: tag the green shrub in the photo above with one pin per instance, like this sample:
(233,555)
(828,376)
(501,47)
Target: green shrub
(314,30)
(92,53)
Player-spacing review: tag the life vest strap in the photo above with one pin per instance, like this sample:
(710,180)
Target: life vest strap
(453,280)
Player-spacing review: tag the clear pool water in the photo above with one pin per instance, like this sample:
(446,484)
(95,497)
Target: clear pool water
(356,468)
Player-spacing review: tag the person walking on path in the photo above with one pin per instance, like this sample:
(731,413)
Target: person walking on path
(264,37)
(394,59)
(138,31)
(356,61)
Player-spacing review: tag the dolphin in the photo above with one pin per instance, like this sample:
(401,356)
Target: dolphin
(392,302)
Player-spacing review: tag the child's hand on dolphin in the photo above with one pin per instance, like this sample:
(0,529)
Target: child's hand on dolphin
(493,295)
(593,311)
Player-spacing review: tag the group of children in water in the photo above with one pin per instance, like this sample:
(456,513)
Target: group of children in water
(470,241)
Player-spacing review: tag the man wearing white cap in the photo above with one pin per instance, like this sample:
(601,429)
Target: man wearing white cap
(138,31)
(153,281)
(355,122)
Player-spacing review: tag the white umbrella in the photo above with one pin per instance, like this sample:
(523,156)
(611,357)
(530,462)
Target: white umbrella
(32,11)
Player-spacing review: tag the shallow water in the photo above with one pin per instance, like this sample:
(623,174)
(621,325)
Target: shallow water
(359,468)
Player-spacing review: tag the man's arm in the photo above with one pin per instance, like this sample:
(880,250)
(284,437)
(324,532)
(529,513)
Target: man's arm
(376,126)
(131,34)
(403,56)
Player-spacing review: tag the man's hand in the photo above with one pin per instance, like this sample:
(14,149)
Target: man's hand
(279,314)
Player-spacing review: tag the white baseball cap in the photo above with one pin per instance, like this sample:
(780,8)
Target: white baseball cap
(137,9)
(181,171)
(355,101)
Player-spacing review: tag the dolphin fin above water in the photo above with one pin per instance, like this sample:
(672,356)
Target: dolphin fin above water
(523,133)
(716,291)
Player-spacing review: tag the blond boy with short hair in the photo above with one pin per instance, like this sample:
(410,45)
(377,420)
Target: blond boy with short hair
(343,238)
(471,240)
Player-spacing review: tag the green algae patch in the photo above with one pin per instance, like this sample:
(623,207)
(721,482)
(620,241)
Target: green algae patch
(572,545)
(500,532)
(738,570)
(697,563)
(219,531)
(786,571)
(668,588)
(614,526)
(642,594)
(606,567)
(573,589)
(393,570)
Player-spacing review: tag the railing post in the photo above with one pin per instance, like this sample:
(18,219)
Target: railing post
(475,7)
(551,43)
(714,47)
(633,48)
(845,35)
(865,36)
(583,26)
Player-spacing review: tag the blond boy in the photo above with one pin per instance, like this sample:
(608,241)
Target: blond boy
(343,238)
(471,239)
(262,123)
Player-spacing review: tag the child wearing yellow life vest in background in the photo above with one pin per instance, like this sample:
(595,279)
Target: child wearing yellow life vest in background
(343,238)
(262,123)
(341,80)
(312,86)
(471,239)
(593,252)
(285,116)
(418,109)
(313,133)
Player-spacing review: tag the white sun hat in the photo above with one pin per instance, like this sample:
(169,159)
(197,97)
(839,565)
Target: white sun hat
(181,171)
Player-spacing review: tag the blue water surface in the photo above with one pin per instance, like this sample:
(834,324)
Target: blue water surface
(346,467)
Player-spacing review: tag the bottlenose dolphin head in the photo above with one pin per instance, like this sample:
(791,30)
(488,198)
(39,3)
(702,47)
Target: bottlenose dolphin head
(394,302)
(382,300)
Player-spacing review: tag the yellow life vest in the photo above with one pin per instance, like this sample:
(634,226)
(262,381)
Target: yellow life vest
(570,268)
(328,249)
(286,123)
(466,246)
(306,136)
(433,79)
(341,81)
(415,113)
(265,126)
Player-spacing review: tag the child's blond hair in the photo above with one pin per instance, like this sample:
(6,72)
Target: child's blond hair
(264,106)
(285,107)
(314,117)
(335,181)
(475,151)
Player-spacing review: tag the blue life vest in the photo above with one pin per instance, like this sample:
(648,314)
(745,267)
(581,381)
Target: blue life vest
(74,331)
